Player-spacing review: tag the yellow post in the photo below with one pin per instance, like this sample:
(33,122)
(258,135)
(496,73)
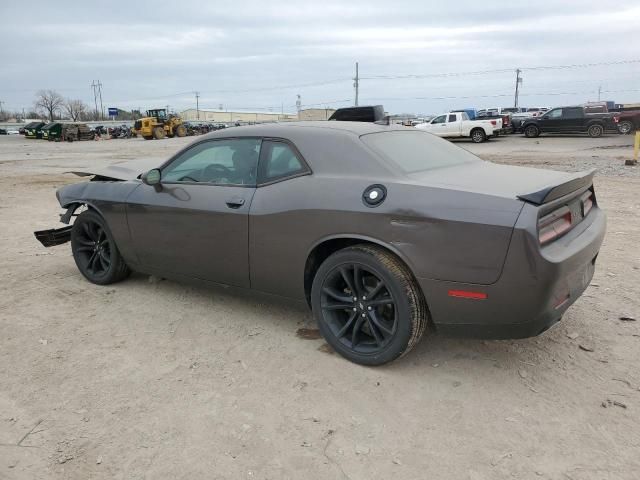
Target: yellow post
(636,146)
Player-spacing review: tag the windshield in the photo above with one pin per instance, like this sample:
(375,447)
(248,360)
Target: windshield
(414,151)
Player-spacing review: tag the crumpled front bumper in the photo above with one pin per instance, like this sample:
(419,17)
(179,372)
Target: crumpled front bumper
(54,236)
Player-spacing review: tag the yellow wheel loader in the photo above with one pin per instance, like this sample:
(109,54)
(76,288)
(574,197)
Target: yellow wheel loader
(157,125)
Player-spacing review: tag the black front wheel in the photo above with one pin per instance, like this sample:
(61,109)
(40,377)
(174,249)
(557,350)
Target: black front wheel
(367,305)
(95,251)
(625,127)
(531,131)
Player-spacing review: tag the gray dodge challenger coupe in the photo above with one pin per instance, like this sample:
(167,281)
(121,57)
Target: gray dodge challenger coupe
(387,232)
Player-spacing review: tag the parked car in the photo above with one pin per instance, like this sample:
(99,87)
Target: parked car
(571,120)
(387,232)
(628,114)
(13,131)
(3,131)
(33,129)
(374,113)
(457,124)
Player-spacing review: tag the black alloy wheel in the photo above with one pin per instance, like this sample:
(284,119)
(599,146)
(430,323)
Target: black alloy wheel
(595,131)
(478,135)
(531,131)
(95,251)
(367,305)
(359,308)
(625,127)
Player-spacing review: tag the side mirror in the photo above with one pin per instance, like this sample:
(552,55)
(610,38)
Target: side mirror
(152,178)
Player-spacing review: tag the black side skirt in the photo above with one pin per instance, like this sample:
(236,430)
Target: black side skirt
(55,236)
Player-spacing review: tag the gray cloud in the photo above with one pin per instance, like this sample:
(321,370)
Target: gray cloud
(147,56)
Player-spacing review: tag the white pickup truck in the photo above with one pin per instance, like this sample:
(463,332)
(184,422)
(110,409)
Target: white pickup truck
(457,124)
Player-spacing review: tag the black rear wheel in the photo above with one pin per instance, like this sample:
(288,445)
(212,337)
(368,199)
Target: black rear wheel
(367,305)
(478,135)
(95,251)
(595,131)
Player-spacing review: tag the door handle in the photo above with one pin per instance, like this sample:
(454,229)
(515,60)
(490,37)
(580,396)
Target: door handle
(235,202)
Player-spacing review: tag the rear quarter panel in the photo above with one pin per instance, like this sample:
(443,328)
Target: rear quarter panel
(439,233)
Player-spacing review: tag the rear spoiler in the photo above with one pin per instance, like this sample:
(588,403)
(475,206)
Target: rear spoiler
(549,194)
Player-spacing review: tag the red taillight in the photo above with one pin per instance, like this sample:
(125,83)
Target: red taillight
(554,225)
(467,294)
(587,202)
(494,123)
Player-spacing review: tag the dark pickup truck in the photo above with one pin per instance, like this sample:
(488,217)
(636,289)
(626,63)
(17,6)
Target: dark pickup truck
(571,120)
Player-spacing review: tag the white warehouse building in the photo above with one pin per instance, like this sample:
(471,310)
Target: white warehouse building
(225,116)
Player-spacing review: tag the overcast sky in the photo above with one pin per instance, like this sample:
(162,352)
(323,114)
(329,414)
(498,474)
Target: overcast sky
(259,55)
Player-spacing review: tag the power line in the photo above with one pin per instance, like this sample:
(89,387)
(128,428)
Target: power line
(500,70)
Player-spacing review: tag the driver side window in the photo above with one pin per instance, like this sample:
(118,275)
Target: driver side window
(440,119)
(557,113)
(220,162)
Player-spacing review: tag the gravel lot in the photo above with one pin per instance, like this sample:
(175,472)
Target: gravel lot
(159,380)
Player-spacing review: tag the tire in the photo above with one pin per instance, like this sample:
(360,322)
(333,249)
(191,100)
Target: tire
(148,137)
(595,130)
(531,131)
(95,251)
(371,331)
(625,127)
(181,131)
(478,135)
(158,133)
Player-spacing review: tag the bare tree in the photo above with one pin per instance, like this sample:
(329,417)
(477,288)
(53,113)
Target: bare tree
(76,109)
(50,101)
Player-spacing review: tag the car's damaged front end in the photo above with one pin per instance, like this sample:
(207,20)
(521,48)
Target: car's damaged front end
(105,192)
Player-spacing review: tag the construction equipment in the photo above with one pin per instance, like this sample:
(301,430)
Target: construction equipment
(157,125)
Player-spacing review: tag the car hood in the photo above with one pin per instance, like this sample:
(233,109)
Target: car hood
(129,170)
(496,180)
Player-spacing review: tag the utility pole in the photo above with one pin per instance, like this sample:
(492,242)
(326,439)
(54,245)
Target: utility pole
(197,105)
(518,82)
(599,91)
(356,84)
(97,94)
(1,112)
(95,97)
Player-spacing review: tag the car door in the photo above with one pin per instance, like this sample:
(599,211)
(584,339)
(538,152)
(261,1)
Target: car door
(452,125)
(572,119)
(551,121)
(438,126)
(196,223)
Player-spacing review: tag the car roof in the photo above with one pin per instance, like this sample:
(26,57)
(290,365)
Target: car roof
(323,144)
(283,129)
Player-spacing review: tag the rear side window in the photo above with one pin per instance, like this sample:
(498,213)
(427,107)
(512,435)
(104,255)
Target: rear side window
(452,117)
(278,161)
(572,112)
(414,151)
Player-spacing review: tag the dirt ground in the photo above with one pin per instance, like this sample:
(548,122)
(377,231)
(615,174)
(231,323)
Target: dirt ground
(150,379)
